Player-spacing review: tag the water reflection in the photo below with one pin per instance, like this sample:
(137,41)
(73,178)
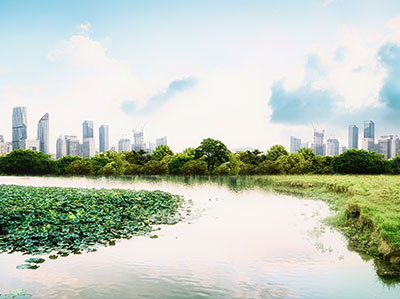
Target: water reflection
(239,241)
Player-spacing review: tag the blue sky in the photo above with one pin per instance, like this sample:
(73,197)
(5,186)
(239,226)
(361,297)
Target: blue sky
(261,70)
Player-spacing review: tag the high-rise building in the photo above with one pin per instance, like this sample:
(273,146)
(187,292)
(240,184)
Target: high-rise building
(5,148)
(369,136)
(332,147)
(1,138)
(295,144)
(138,141)
(394,151)
(104,138)
(124,145)
(72,145)
(43,133)
(19,126)
(31,144)
(342,149)
(88,147)
(385,146)
(305,145)
(161,141)
(61,147)
(87,129)
(150,147)
(318,147)
(353,137)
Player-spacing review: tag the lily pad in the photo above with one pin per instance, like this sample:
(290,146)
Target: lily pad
(27,266)
(35,260)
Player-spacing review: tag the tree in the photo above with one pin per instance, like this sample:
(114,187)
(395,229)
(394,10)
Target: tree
(232,167)
(161,151)
(254,157)
(358,162)
(275,152)
(140,157)
(194,167)
(98,161)
(133,169)
(79,167)
(155,167)
(214,152)
(269,167)
(322,165)
(248,169)
(307,153)
(190,152)
(62,164)
(294,164)
(174,167)
(23,161)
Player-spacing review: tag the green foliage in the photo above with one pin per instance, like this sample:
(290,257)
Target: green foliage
(214,152)
(155,167)
(133,169)
(248,169)
(62,164)
(160,152)
(195,167)
(307,153)
(98,161)
(322,165)
(251,157)
(108,169)
(174,167)
(26,162)
(294,164)
(269,167)
(190,152)
(275,152)
(232,167)
(358,162)
(79,167)
(140,157)
(39,220)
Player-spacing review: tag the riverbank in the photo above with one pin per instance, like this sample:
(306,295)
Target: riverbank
(368,208)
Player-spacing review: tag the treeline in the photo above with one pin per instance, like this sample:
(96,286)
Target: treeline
(212,157)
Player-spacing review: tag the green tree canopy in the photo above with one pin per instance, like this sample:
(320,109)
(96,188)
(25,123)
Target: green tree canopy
(275,152)
(194,167)
(214,152)
(254,157)
(80,167)
(307,153)
(140,157)
(160,152)
(23,161)
(358,162)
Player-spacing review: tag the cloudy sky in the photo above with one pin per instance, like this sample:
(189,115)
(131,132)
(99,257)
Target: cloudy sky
(250,73)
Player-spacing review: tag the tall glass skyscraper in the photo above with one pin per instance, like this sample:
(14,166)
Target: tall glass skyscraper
(104,138)
(19,126)
(353,137)
(43,133)
(87,127)
(369,129)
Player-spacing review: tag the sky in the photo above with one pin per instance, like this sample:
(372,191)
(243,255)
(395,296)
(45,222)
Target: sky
(249,73)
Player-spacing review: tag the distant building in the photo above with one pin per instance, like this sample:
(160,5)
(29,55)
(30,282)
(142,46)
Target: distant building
(124,145)
(332,147)
(72,145)
(161,141)
(138,141)
(88,147)
(104,138)
(353,137)
(305,145)
(87,129)
(5,147)
(61,147)
(318,147)
(1,138)
(113,148)
(295,144)
(19,126)
(31,144)
(150,147)
(342,149)
(385,146)
(394,151)
(43,133)
(369,136)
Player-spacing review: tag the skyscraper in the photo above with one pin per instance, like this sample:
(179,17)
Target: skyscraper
(385,146)
(332,147)
(353,137)
(124,145)
(1,138)
(72,145)
(138,142)
(43,133)
(19,126)
(295,144)
(104,138)
(369,136)
(87,128)
(318,147)
(161,141)
(88,147)
(61,147)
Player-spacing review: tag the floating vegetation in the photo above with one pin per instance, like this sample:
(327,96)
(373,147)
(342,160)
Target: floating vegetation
(39,220)
(16,294)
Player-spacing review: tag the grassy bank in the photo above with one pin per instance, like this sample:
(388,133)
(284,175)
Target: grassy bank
(368,207)
(39,220)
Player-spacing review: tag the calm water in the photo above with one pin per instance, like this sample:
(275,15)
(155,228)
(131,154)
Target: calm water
(238,242)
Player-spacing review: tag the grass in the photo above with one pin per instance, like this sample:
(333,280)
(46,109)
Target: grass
(368,207)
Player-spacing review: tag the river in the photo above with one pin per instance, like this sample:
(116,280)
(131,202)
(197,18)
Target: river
(238,241)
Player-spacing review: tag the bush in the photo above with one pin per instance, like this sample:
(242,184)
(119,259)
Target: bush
(108,169)
(155,167)
(358,162)
(248,169)
(133,169)
(99,161)
(79,167)
(223,169)
(194,167)
(269,167)
(294,164)
(62,164)
(174,167)
(26,162)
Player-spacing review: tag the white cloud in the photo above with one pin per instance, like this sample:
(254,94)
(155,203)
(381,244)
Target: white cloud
(85,28)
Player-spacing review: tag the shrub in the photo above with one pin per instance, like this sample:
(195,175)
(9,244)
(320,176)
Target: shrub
(133,169)
(269,167)
(79,167)
(154,167)
(175,165)
(248,169)
(194,167)
(358,162)
(23,161)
